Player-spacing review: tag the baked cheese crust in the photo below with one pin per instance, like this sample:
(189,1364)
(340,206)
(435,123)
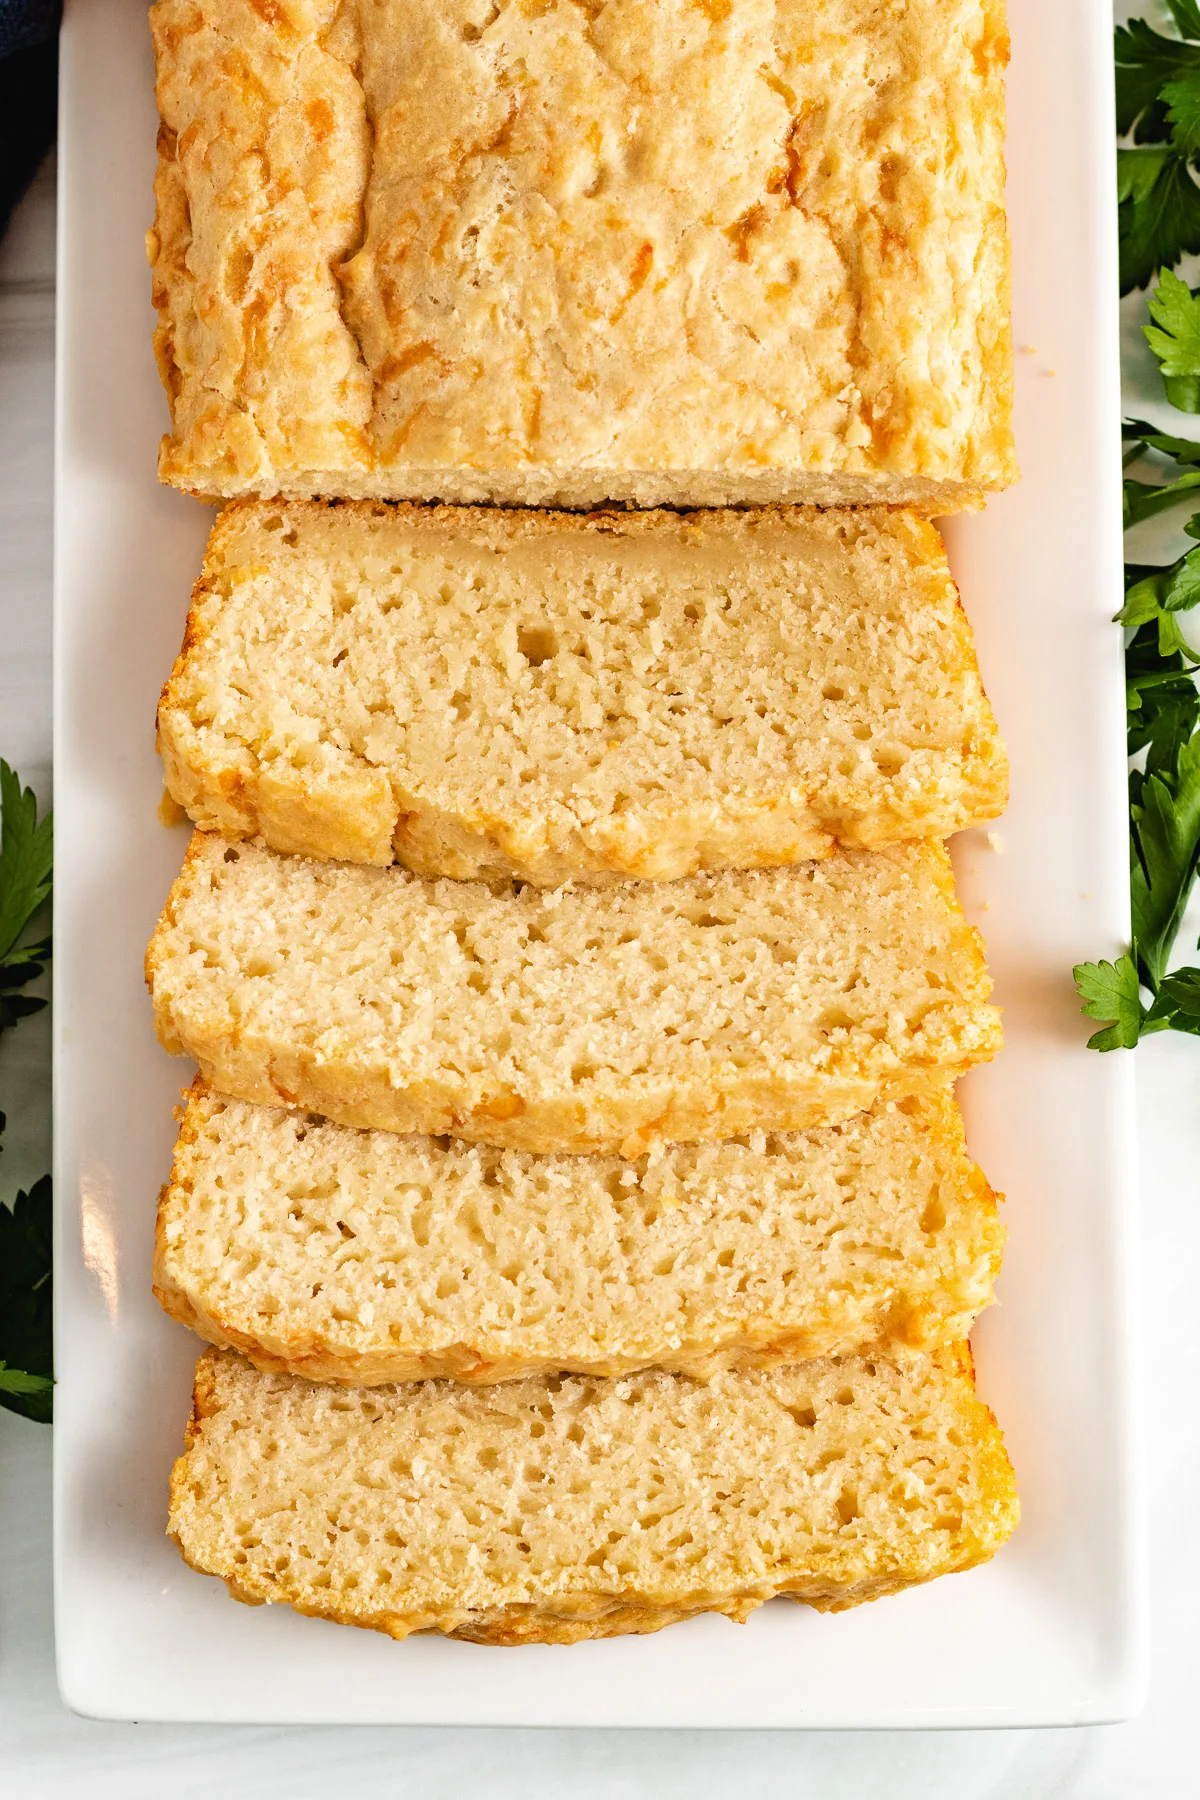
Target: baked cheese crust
(559,251)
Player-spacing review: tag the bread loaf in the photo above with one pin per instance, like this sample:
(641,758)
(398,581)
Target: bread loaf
(575,1020)
(559,696)
(364,1257)
(549,254)
(554,1509)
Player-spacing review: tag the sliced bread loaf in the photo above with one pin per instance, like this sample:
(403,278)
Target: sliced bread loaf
(554,1509)
(363,1256)
(579,1019)
(560,696)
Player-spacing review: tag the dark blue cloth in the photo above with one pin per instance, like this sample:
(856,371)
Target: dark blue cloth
(24,23)
(28,93)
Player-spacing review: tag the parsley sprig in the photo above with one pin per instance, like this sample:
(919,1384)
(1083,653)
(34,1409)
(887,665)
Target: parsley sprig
(26,861)
(1158,113)
(1158,107)
(1139,994)
(26,1349)
(1145,498)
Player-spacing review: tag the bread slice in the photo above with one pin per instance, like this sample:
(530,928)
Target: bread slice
(674,252)
(564,696)
(364,1257)
(554,1509)
(580,1019)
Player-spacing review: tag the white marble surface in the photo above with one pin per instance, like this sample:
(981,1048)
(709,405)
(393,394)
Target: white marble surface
(46,1752)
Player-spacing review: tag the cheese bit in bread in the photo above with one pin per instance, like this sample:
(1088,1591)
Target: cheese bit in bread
(580,1019)
(364,1256)
(589,697)
(567,1507)
(658,251)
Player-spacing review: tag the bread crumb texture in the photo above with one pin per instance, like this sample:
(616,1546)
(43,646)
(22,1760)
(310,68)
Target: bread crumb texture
(559,251)
(575,1019)
(364,1256)
(554,1509)
(479,692)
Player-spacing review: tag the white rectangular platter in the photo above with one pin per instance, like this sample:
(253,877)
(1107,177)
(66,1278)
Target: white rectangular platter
(1052,1631)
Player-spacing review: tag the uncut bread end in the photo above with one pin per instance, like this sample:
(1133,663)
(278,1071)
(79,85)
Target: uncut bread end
(480,692)
(716,254)
(552,1510)
(364,1257)
(576,1020)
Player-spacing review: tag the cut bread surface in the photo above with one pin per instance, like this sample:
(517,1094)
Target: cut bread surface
(555,697)
(554,1509)
(364,1257)
(552,253)
(575,1020)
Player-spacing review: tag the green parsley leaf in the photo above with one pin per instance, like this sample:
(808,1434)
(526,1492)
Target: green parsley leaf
(1186,14)
(26,956)
(1145,437)
(1155,595)
(1143,601)
(1164,814)
(1174,335)
(1182,101)
(26,1340)
(1110,992)
(1142,499)
(1162,700)
(1177,1003)
(1158,216)
(1182,589)
(1146,61)
(26,860)
(1146,604)
(16,1381)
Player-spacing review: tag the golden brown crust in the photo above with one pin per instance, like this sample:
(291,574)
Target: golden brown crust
(512,1627)
(324,1363)
(398,255)
(630,1124)
(519,1625)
